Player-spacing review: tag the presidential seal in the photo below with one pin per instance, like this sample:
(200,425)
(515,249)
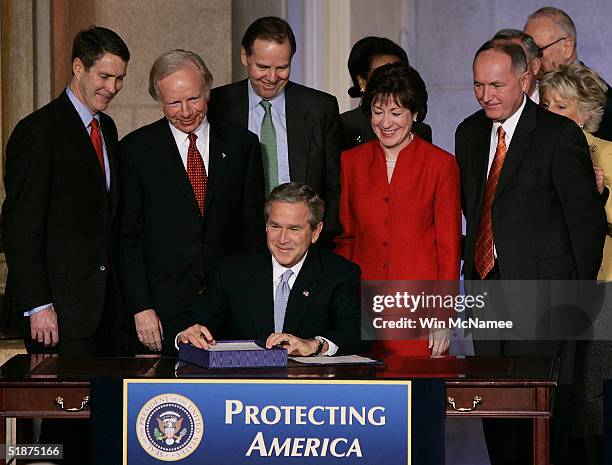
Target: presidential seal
(169,427)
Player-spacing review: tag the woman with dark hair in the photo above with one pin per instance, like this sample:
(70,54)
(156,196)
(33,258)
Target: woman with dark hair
(399,203)
(366,55)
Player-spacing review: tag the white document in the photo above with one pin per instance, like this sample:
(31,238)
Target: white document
(325,360)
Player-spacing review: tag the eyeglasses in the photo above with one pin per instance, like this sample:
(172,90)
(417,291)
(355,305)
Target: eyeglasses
(551,44)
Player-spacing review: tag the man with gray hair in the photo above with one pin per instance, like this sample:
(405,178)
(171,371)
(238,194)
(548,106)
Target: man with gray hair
(533,54)
(304,298)
(555,33)
(193,194)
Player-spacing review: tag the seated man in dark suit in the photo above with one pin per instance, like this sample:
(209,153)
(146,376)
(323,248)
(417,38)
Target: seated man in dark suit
(303,297)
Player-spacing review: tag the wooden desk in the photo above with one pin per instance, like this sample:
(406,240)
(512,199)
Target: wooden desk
(478,387)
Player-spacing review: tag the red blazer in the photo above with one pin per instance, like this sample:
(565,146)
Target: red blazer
(408,229)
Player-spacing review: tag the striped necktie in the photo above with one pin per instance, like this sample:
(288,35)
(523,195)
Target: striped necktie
(484,258)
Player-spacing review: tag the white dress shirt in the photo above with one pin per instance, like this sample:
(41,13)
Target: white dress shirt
(202,142)
(277,110)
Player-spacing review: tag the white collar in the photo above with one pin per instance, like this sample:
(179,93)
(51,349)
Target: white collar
(180,137)
(278,269)
(510,124)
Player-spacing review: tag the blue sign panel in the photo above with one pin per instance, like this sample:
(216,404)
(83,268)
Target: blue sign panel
(266,422)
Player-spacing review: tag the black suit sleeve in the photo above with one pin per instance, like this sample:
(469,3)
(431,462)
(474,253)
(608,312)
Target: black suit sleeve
(332,129)
(575,184)
(253,201)
(345,314)
(423,130)
(133,269)
(605,126)
(460,156)
(28,183)
(210,311)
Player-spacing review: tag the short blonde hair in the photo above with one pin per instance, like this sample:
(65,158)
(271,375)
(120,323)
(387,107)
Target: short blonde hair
(580,83)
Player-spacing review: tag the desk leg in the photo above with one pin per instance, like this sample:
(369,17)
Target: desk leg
(3,435)
(541,430)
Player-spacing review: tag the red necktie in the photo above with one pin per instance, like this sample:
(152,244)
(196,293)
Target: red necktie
(484,258)
(196,171)
(96,139)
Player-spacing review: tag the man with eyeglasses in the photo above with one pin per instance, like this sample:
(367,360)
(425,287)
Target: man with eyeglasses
(555,33)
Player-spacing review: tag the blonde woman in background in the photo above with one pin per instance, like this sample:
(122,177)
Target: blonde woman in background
(577,92)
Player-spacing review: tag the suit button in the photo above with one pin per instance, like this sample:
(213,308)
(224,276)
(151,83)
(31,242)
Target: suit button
(386,223)
(384,267)
(102,268)
(386,199)
(385,243)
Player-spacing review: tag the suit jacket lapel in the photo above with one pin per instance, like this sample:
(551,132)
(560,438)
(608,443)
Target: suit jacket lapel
(170,159)
(239,109)
(78,136)
(480,158)
(521,141)
(218,158)
(302,290)
(298,133)
(113,166)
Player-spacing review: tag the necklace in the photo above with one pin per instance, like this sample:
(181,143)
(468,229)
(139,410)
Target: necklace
(391,163)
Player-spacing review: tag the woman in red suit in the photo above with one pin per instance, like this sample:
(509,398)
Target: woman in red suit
(399,204)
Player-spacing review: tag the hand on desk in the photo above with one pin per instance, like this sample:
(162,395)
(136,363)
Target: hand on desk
(44,328)
(439,340)
(198,336)
(294,344)
(149,329)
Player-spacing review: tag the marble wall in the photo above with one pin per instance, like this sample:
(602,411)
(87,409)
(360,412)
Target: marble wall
(151,27)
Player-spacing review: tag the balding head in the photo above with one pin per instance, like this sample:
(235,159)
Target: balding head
(555,33)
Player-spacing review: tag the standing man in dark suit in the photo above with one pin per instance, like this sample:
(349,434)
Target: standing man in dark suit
(304,297)
(193,195)
(543,216)
(529,199)
(555,33)
(299,127)
(59,217)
